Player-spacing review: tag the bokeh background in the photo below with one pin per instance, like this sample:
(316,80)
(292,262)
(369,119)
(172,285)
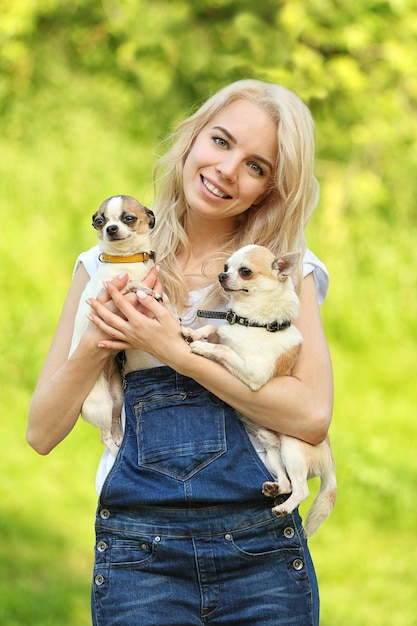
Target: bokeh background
(88,91)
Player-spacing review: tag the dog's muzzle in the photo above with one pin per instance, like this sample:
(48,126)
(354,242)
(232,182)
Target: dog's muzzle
(112,231)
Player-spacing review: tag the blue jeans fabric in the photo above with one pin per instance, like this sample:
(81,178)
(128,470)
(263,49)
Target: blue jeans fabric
(184,534)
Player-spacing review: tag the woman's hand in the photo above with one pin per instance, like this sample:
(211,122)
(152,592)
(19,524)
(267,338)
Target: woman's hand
(139,322)
(106,300)
(120,282)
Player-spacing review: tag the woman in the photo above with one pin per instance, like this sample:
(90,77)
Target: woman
(184,534)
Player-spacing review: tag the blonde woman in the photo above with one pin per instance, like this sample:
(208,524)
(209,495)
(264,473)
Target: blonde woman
(184,534)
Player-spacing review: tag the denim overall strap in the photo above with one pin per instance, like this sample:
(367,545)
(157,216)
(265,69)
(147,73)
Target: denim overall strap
(182,446)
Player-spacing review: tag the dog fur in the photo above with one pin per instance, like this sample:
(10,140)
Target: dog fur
(261,289)
(123,226)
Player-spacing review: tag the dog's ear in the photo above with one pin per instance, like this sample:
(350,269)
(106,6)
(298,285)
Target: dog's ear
(285,264)
(151,216)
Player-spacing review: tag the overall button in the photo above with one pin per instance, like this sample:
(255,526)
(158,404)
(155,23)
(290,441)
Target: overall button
(297,564)
(102,546)
(289,532)
(228,537)
(99,579)
(104,513)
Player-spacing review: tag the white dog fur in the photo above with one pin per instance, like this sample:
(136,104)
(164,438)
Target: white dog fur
(123,226)
(261,290)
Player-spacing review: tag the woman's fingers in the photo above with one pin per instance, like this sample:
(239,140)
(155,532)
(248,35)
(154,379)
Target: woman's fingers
(123,323)
(119,282)
(152,280)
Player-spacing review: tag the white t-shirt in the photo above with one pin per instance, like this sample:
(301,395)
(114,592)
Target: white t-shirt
(311,264)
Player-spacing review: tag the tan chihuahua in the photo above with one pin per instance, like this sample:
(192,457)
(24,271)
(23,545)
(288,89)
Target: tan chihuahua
(123,226)
(259,342)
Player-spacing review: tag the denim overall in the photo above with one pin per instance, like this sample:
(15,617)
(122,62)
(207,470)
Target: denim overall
(184,535)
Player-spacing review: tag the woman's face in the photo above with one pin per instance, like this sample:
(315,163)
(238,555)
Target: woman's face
(230,165)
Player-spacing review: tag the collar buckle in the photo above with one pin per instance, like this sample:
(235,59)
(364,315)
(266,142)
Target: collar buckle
(231,317)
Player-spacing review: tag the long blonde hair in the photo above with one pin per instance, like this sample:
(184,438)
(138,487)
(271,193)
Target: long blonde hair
(278,222)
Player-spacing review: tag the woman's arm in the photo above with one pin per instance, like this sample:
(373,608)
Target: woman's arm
(299,405)
(65,382)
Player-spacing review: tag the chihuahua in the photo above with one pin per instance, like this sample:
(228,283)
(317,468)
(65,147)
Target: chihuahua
(257,343)
(123,226)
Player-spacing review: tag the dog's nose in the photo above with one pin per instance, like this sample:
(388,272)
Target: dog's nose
(222,277)
(112,229)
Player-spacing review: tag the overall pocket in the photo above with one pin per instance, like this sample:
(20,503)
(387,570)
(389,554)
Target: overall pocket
(180,433)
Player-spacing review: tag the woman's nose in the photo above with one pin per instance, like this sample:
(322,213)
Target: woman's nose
(228,167)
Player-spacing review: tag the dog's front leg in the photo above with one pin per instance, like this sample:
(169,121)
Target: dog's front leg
(224,355)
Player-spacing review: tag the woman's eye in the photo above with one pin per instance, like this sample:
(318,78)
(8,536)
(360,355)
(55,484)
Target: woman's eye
(219,141)
(256,169)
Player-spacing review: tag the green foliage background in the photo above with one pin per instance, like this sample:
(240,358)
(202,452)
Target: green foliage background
(88,89)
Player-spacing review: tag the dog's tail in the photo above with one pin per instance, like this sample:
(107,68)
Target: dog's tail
(325,499)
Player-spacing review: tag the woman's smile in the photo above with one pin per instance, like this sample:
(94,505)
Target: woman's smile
(213,189)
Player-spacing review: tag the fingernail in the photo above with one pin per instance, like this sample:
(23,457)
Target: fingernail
(141,294)
(122,275)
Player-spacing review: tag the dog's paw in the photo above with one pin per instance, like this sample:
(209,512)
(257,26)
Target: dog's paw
(134,286)
(270,489)
(280,511)
(204,332)
(117,437)
(108,441)
(201,347)
(188,334)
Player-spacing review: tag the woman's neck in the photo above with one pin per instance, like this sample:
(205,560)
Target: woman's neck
(195,265)
(205,240)
(204,234)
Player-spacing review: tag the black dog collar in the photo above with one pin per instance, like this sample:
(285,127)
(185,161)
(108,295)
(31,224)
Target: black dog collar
(231,317)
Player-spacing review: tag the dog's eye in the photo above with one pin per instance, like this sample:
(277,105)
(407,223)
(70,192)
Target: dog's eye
(245,272)
(98,221)
(129,219)
(226,268)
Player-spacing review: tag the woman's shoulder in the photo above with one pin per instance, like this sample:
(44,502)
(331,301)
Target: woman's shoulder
(89,259)
(312,264)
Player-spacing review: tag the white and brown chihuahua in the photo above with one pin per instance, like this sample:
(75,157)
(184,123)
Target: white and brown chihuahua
(259,342)
(123,226)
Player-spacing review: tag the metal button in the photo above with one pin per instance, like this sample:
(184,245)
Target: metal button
(157,538)
(297,564)
(289,532)
(102,546)
(228,537)
(104,513)
(99,579)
